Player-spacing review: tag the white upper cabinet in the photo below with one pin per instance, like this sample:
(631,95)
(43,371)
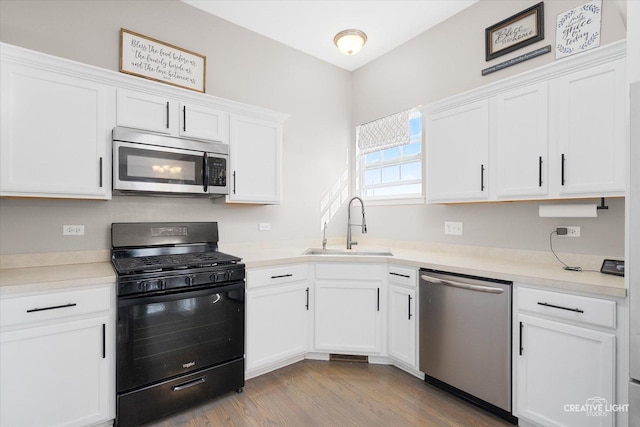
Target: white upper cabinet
(201,122)
(588,130)
(255,156)
(520,163)
(553,132)
(55,134)
(458,153)
(162,114)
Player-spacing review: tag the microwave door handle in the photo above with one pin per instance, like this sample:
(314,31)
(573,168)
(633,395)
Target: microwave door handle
(205,172)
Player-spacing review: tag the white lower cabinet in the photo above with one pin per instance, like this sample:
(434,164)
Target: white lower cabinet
(401,327)
(57,360)
(565,366)
(349,304)
(278,309)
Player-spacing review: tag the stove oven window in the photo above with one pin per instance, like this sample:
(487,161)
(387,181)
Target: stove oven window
(168,335)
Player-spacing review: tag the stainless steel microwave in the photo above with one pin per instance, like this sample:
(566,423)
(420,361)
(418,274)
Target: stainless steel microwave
(145,163)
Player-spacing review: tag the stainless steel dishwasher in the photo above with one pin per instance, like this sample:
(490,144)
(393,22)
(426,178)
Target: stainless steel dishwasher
(465,338)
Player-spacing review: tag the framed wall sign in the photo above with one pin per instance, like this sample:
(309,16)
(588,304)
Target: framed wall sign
(515,32)
(152,59)
(578,29)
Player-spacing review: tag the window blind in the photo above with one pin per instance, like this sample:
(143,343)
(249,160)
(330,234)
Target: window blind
(387,132)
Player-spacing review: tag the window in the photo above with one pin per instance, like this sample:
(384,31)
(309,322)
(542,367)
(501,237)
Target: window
(393,169)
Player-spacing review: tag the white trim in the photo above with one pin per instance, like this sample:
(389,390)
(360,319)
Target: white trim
(601,55)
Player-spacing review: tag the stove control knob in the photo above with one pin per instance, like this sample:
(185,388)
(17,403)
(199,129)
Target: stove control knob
(160,285)
(214,278)
(142,286)
(228,274)
(188,280)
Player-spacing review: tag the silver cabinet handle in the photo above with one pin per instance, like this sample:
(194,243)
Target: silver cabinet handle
(189,384)
(465,286)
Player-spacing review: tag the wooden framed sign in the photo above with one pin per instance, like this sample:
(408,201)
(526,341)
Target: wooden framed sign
(515,32)
(152,59)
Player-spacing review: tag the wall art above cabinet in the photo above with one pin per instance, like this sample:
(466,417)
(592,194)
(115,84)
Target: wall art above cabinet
(551,133)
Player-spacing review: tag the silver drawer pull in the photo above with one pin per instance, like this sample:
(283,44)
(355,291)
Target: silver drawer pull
(577,310)
(465,286)
(54,307)
(189,384)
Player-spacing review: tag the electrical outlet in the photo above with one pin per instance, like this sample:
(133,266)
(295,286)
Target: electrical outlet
(453,228)
(572,231)
(264,226)
(73,230)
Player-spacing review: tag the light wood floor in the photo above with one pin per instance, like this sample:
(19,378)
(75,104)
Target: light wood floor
(318,393)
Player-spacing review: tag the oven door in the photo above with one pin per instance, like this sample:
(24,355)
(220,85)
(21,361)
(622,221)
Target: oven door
(163,336)
(149,168)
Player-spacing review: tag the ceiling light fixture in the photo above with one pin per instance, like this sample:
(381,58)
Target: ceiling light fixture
(350,42)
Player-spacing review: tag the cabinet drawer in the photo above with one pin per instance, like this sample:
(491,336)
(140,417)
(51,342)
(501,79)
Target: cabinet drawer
(402,276)
(276,276)
(349,271)
(576,308)
(54,305)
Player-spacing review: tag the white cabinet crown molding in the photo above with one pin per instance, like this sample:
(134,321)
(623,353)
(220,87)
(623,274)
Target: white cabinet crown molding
(69,67)
(601,55)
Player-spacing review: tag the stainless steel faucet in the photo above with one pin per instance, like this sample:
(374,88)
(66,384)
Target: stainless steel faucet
(324,236)
(349,225)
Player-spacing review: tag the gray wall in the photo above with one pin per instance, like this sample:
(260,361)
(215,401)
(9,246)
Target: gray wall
(324,102)
(447,60)
(241,66)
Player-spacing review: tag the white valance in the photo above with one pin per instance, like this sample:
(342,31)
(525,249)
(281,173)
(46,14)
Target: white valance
(387,132)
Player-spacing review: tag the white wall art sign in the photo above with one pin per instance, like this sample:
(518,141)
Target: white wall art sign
(578,29)
(155,60)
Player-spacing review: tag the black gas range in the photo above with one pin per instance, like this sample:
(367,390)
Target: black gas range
(180,333)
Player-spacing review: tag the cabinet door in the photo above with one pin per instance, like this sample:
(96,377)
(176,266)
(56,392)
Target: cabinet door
(402,324)
(277,324)
(197,121)
(54,135)
(56,375)
(347,317)
(255,158)
(458,153)
(560,365)
(144,111)
(589,130)
(521,142)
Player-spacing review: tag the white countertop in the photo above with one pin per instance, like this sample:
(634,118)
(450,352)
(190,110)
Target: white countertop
(38,272)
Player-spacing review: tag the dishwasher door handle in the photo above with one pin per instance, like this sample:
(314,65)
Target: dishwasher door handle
(465,286)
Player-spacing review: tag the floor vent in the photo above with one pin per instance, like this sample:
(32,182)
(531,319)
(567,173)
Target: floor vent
(348,358)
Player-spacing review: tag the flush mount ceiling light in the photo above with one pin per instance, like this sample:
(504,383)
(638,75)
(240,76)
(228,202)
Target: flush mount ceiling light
(350,42)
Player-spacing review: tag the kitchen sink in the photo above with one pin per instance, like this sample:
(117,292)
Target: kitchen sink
(347,252)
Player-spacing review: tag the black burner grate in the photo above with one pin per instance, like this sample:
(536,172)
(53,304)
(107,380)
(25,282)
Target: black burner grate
(172,262)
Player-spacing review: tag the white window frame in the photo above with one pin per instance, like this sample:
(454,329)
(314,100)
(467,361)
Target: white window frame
(403,199)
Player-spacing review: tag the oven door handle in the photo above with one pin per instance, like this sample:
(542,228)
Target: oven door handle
(142,299)
(189,384)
